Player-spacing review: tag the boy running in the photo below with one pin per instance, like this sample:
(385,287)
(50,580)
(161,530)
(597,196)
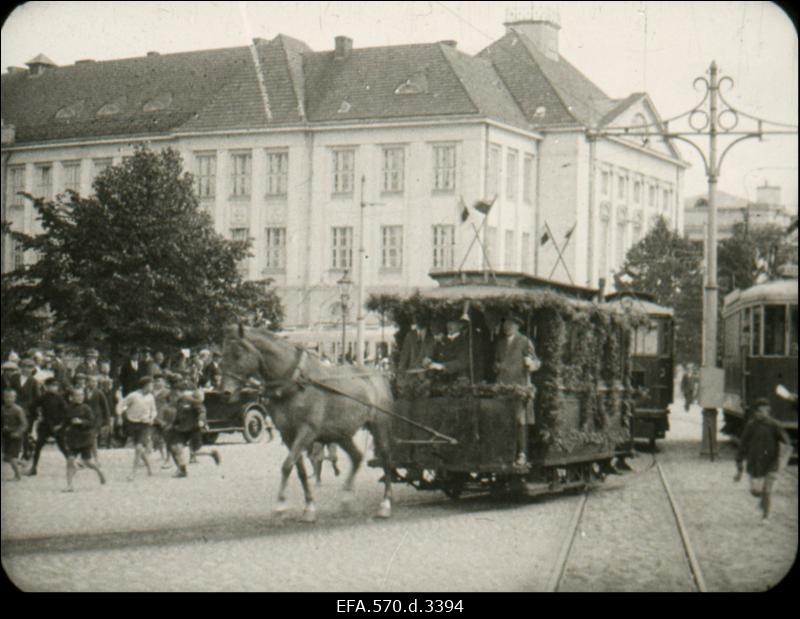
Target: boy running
(138,409)
(79,437)
(190,416)
(759,445)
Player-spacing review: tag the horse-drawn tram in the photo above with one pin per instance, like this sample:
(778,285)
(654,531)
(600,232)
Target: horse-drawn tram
(572,419)
(653,367)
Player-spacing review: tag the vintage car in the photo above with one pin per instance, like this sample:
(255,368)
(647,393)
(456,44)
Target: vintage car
(250,416)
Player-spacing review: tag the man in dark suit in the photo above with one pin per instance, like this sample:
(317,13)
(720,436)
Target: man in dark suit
(417,346)
(451,356)
(60,369)
(515,358)
(132,371)
(28,391)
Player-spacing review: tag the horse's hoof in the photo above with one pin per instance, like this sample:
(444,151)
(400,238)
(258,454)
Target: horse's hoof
(348,498)
(385,510)
(309,515)
(281,507)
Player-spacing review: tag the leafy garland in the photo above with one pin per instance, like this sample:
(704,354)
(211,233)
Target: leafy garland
(424,386)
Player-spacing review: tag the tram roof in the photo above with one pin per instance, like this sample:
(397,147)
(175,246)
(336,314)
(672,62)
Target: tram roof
(775,291)
(503,281)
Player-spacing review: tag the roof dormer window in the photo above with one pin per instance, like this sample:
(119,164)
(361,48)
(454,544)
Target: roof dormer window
(417,84)
(70,111)
(156,104)
(112,107)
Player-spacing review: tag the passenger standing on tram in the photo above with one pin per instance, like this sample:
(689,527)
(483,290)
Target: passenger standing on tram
(417,346)
(515,359)
(451,356)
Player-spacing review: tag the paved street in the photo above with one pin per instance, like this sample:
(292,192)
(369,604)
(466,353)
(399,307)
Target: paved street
(216,531)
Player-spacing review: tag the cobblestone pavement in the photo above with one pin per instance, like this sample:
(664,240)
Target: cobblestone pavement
(215,531)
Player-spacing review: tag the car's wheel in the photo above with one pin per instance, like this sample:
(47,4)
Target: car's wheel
(210,438)
(254,426)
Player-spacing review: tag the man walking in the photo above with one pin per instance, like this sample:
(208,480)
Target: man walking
(28,391)
(14,427)
(138,410)
(515,359)
(98,402)
(759,446)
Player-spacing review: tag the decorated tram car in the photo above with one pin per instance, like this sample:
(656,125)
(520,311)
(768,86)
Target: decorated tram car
(653,367)
(582,394)
(760,352)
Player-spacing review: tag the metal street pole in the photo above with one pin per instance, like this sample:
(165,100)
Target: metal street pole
(360,289)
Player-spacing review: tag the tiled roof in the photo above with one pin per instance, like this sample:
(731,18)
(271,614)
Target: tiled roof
(536,81)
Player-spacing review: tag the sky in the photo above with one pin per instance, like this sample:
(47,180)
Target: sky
(624,47)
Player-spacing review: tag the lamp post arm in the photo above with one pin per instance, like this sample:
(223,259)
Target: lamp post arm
(732,144)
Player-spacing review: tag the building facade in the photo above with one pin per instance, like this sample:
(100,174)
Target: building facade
(287,144)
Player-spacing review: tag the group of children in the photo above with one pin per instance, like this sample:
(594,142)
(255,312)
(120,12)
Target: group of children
(169,416)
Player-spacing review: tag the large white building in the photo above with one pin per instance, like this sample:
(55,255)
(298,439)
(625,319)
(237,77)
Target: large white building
(280,137)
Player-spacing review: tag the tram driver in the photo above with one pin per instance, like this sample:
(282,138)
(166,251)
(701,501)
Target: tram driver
(515,359)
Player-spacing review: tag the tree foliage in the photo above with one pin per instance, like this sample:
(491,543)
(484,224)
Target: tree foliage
(669,267)
(137,263)
(753,254)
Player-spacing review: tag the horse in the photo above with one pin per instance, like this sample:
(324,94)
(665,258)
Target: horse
(312,402)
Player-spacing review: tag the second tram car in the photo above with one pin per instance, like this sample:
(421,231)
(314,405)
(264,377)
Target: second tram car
(653,367)
(760,352)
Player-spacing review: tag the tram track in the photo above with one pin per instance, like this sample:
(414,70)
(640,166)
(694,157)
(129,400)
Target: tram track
(561,565)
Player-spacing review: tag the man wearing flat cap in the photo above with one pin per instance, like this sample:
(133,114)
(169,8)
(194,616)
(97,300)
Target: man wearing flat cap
(88,366)
(759,445)
(515,358)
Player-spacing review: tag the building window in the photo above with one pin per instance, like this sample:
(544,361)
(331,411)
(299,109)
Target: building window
(527,179)
(493,171)
(16,184)
(242,166)
(392,247)
(443,246)
(605,180)
(342,246)
(510,250)
(72,176)
(276,249)
(605,233)
(637,233)
(241,234)
(43,180)
(620,243)
(621,184)
(393,169)
(343,171)
(512,174)
(101,165)
(206,178)
(277,173)
(444,167)
(637,192)
(525,252)
(651,195)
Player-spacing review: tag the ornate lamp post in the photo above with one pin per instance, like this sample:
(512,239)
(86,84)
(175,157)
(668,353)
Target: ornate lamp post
(345,284)
(715,121)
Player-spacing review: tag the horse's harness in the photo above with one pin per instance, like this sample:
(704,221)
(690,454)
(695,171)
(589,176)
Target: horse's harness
(296,380)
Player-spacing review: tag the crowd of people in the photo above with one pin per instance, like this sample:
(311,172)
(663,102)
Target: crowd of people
(154,403)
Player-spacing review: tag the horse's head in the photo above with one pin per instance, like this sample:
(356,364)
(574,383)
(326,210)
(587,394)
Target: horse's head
(251,353)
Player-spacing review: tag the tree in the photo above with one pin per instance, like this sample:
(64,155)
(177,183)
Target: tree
(137,263)
(751,254)
(669,267)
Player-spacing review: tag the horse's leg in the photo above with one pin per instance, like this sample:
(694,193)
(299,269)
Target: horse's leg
(310,511)
(302,440)
(349,447)
(383,451)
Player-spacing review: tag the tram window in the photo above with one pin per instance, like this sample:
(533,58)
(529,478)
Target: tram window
(646,344)
(775,330)
(745,340)
(792,330)
(732,331)
(666,338)
(755,348)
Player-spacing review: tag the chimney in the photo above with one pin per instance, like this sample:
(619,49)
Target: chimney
(151,54)
(540,26)
(768,194)
(259,41)
(344,45)
(39,65)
